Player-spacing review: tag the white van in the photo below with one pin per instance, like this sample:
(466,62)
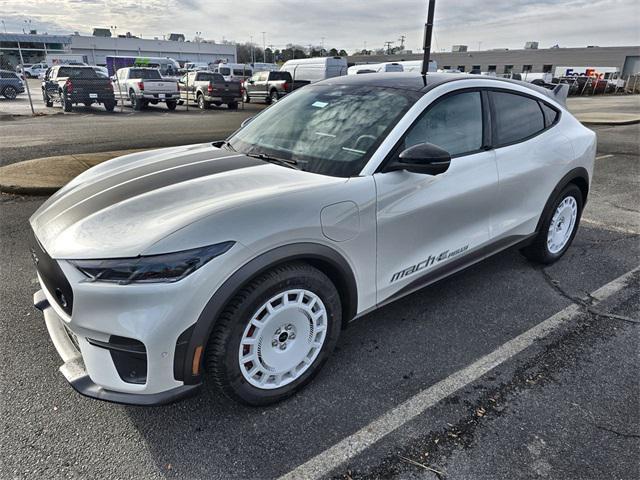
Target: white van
(238,72)
(375,68)
(315,69)
(416,65)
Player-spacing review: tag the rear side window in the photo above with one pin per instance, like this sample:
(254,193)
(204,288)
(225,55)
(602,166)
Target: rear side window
(454,124)
(280,76)
(145,74)
(550,114)
(516,117)
(77,72)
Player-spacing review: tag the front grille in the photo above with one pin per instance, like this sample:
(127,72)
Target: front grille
(52,276)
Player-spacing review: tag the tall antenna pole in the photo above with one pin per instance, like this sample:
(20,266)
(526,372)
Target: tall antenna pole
(428,30)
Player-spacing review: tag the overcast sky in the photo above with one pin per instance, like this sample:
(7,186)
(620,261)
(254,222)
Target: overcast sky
(344,24)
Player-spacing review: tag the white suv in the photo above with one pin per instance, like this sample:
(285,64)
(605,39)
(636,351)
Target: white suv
(245,258)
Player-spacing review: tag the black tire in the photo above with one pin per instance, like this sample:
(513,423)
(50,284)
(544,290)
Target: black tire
(202,103)
(136,103)
(10,92)
(47,101)
(274,96)
(110,106)
(222,361)
(88,104)
(66,102)
(245,97)
(27,75)
(232,105)
(171,105)
(538,251)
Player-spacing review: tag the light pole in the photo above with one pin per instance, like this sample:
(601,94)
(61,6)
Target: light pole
(198,42)
(115,45)
(428,31)
(4,25)
(264,48)
(26,80)
(251,43)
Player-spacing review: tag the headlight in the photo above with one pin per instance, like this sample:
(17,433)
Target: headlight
(169,267)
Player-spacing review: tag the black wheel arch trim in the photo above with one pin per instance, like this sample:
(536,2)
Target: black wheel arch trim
(316,254)
(580,174)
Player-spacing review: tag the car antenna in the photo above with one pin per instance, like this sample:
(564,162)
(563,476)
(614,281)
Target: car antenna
(428,30)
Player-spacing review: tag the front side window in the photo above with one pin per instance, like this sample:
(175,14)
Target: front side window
(453,123)
(516,117)
(330,130)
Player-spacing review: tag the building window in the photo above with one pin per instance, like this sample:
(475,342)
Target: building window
(508,68)
(476,67)
(492,68)
(447,67)
(526,68)
(461,68)
(547,68)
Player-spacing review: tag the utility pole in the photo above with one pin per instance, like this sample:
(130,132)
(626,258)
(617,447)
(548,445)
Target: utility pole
(115,29)
(401,39)
(387,46)
(428,31)
(322,46)
(251,42)
(264,48)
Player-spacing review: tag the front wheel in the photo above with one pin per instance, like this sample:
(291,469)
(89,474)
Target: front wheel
(136,103)
(10,93)
(202,104)
(47,101)
(559,226)
(275,335)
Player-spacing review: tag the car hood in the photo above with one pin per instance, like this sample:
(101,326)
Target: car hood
(122,207)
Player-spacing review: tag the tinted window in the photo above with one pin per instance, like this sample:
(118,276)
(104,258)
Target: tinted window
(516,117)
(224,71)
(145,74)
(240,72)
(280,76)
(454,123)
(550,114)
(331,130)
(210,77)
(77,72)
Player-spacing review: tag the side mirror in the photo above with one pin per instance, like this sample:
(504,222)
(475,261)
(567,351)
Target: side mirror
(425,158)
(246,121)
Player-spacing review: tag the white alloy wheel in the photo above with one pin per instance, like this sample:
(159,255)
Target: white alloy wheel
(283,339)
(562,224)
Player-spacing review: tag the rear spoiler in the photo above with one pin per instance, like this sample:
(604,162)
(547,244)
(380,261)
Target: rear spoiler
(557,92)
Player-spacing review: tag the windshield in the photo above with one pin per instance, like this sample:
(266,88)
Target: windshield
(331,130)
(145,74)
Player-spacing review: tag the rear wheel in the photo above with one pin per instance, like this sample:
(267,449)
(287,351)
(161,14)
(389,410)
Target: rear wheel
(245,97)
(559,227)
(202,104)
(232,105)
(45,98)
(274,96)
(110,106)
(66,102)
(10,93)
(172,105)
(136,103)
(275,334)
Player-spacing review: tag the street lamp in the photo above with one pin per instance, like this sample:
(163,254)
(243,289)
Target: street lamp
(198,42)
(115,29)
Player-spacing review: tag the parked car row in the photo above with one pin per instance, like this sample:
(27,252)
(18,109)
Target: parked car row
(10,84)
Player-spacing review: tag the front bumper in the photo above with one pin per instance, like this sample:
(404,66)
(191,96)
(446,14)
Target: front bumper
(76,374)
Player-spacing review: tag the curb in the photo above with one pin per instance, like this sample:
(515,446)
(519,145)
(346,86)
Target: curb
(44,176)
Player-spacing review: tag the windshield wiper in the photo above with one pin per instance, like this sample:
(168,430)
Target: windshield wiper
(278,161)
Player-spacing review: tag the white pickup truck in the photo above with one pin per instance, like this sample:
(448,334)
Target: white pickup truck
(142,86)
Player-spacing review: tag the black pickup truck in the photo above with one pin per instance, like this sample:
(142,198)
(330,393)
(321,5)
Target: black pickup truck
(269,87)
(206,88)
(73,84)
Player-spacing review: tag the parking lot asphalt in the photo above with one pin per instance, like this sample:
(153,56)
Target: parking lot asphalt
(565,407)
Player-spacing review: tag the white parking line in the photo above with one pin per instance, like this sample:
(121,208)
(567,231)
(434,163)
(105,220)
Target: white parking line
(603,156)
(351,446)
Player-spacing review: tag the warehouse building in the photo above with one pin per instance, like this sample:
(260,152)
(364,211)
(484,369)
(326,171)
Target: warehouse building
(625,59)
(95,49)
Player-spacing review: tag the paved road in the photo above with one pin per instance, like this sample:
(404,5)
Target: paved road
(566,407)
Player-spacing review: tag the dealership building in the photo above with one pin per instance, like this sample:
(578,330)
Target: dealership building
(95,49)
(504,61)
